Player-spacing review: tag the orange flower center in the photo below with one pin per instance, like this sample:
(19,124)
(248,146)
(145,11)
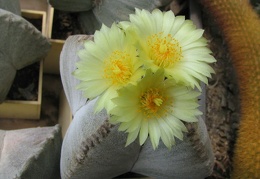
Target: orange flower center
(118,68)
(152,103)
(165,51)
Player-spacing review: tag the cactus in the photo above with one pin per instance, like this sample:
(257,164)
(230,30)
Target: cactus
(11,6)
(92,148)
(240,27)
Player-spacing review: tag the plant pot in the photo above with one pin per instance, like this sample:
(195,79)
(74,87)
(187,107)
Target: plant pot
(52,60)
(40,7)
(24,109)
(65,115)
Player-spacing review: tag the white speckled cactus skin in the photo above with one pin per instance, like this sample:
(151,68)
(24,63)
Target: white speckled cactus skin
(11,6)
(30,153)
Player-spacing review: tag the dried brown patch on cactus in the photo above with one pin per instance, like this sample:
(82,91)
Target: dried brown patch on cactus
(194,137)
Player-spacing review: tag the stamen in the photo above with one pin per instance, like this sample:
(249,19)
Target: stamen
(118,68)
(153,103)
(165,51)
(158,101)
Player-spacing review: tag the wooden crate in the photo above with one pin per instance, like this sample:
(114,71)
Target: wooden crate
(52,61)
(40,6)
(36,15)
(65,114)
(19,109)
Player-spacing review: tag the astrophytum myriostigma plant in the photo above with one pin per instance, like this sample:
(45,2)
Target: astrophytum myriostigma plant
(144,73)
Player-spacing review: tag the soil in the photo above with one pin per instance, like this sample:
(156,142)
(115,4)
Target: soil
(36,22)
(65,24)
(25,85)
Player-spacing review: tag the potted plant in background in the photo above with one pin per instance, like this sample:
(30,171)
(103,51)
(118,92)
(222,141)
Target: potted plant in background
(17,52)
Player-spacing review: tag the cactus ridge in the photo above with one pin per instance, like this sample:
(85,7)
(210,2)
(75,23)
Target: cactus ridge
(240,26)
(91,142)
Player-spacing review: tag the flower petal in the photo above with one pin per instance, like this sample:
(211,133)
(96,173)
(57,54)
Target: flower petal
(104,100)
(154,133)
(143,132)
(132,136)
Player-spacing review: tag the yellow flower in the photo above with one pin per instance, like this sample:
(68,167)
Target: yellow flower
(155,107)
(107,64)
(172,43)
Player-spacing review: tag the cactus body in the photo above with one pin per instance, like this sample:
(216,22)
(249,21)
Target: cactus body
(240,26)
